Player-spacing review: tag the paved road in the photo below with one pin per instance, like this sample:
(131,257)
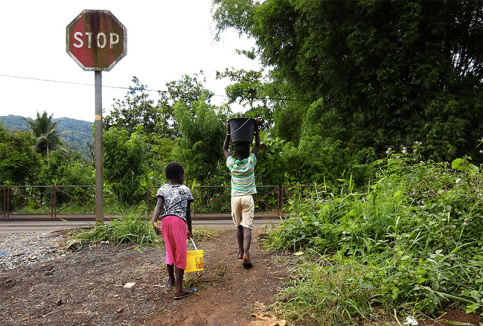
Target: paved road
(47,226)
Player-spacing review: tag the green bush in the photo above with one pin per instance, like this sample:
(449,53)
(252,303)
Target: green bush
(128,229)
(417,232)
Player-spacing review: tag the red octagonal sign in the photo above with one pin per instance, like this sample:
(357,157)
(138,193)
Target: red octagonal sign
(96,40)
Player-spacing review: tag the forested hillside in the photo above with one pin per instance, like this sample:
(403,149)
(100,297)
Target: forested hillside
(78,134)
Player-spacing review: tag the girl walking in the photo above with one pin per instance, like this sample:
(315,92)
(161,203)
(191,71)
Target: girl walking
(173,214)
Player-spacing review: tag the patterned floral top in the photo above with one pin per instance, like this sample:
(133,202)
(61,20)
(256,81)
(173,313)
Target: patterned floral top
(176,200)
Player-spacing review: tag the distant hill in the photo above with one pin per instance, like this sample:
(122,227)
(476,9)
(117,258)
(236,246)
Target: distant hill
(77,138)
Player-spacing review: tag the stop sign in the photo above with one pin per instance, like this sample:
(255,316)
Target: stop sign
(96,40)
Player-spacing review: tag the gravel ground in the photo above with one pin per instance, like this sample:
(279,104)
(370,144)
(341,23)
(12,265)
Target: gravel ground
(106,284)
(28,248)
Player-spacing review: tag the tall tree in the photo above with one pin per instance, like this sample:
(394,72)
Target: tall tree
(138,108)
(125,164)
(202,128)
(247,89)
(189,90)
(19,164)
(387,73)
(46,134)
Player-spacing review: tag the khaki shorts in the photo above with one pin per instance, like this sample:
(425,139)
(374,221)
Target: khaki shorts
(243,210)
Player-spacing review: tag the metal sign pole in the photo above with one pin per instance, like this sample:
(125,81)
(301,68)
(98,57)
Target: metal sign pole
(111,47)
(98,150)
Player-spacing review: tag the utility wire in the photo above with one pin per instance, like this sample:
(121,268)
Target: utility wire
(72,83)
(147,90)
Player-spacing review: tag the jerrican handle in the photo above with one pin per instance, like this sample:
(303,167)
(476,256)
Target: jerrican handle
(194,244)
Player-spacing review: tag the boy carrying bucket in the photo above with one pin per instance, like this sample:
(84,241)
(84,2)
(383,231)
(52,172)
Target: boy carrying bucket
(242,168)
(173,201)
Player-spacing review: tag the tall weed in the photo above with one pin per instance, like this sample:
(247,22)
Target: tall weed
(127,229)
(416,232)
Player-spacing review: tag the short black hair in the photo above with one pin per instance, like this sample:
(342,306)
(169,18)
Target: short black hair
(173,171)
(242,149)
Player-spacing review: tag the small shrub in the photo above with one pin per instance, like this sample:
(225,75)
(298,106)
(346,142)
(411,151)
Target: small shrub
(128,229)
(203,233)
(413,237)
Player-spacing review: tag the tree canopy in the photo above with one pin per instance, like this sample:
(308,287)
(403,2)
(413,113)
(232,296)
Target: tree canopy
(19,164)
(383,73)
(138,108)
(46,134)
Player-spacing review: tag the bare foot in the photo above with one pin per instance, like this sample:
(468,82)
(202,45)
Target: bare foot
(246,262)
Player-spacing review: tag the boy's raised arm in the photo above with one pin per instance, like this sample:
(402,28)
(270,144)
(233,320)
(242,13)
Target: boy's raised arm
(227,141)
(257,137)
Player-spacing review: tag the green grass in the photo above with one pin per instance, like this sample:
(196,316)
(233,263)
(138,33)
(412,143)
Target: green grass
(134,229)
(130,229)
(203,233)
(327,291)
(411,241)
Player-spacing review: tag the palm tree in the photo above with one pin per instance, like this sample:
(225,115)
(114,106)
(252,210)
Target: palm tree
(47,137)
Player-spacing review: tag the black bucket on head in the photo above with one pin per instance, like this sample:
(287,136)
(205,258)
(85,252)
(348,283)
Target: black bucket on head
(242,130)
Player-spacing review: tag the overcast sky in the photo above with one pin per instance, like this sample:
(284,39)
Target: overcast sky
(165,40)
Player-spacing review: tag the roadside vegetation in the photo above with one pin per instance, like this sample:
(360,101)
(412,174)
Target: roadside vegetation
(410,242)
(129,229)
(132,229)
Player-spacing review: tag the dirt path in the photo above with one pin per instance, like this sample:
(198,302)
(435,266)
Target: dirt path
(88,287)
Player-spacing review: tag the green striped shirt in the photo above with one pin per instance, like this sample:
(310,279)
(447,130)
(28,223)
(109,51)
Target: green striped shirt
(242,175)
